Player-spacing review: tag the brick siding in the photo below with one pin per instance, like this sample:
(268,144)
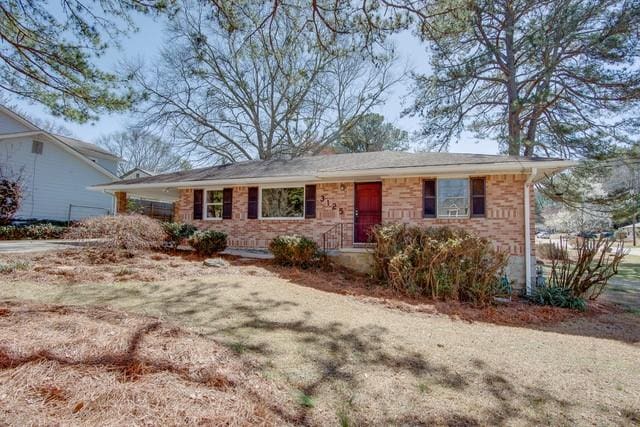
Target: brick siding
(401,202)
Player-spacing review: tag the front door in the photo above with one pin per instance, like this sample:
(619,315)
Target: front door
(368,209)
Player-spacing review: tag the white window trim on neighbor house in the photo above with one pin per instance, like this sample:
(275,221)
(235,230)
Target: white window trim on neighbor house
(280,218)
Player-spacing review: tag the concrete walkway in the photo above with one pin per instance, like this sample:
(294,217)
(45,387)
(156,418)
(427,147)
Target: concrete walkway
(22,246)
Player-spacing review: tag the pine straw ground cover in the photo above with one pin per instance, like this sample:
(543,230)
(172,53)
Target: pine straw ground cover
(100,265)
(366,359)
(68,365)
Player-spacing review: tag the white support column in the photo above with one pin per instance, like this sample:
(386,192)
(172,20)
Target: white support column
(527,230)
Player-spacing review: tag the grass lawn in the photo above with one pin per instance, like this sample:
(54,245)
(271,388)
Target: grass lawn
(630,269)
(357,361)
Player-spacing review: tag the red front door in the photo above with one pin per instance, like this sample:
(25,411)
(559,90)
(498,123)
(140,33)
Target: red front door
(368,209)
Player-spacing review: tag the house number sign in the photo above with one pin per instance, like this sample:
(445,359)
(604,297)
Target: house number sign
(324,200)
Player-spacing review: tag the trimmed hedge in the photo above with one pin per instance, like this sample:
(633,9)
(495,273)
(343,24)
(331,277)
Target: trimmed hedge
(33,231)
(298,251)
(208,242)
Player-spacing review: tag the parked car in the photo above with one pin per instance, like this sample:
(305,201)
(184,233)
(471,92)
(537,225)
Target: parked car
(543,235)
(607,234)
(587,234)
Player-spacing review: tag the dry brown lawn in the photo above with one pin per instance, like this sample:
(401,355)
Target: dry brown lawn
(323,358)
(70,365)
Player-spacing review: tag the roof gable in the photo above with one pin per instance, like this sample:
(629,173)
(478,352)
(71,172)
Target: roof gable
(11,122)
(25,128)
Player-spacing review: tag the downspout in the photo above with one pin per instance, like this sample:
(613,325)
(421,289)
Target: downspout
(527,230)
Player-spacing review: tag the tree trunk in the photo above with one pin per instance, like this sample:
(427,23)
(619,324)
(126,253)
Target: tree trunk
(513,114)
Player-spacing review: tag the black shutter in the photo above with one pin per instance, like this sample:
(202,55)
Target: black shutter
(478,197)
(252,212)
(227,203)
(309,201)
(429,205)
(197,204)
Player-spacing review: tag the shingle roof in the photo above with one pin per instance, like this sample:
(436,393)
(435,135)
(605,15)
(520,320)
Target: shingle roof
(86,148)
(312,166)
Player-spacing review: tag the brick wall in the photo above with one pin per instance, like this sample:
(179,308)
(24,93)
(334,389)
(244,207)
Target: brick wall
(257,233)
(401,202)
(503,223)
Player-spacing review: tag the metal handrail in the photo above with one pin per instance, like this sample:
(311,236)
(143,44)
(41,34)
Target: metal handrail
(334,237)
(334,234)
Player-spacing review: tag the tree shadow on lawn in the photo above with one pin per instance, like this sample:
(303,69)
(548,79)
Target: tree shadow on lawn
(336,358)
(602,320)
(330,362)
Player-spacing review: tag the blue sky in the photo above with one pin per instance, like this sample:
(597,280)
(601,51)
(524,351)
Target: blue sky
(146,43)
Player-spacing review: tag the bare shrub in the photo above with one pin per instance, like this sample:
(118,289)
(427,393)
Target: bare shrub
(440,262)
(551,251)
(586,276)
(10,198)
(129,232)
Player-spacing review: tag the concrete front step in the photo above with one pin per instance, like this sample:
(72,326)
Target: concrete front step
(249,253)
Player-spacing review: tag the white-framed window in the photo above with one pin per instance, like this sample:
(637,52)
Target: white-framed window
(213,204)
(282,202)
(453,197)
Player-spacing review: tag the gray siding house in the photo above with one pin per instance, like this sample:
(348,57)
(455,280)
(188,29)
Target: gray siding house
(55,171)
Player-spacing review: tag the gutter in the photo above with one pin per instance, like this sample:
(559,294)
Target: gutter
(527,230)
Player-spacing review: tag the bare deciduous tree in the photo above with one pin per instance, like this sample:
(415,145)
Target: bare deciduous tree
(261,93)
(139,149)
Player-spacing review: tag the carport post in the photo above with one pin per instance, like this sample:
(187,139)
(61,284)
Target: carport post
(121,202)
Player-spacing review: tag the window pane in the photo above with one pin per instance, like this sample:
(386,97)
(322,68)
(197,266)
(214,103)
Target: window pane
(214,196)
(282,202)
(214,211)
(453,197)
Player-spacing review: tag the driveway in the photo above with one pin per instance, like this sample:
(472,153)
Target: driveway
(354,361)
(23,246)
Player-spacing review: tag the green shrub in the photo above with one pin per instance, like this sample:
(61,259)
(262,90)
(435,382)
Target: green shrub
(176,232)
(130,231)
(298,251)
(32,231)
(208,242)
(557,296)
(14,266)
(439,262)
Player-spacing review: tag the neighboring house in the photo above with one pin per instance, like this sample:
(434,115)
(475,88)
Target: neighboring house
(335,199)
(136,173)
(55,171)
